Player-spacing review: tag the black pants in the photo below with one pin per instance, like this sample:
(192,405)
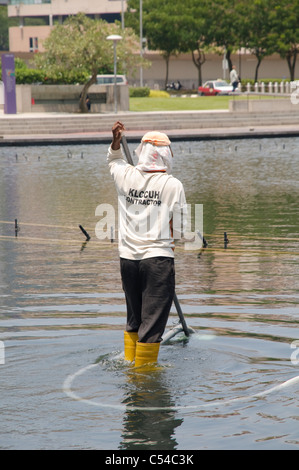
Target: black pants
(149,289)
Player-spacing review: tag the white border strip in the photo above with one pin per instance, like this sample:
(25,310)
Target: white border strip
(67,389)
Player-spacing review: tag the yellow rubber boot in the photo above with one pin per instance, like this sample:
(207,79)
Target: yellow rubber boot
(146,353)
(130,339)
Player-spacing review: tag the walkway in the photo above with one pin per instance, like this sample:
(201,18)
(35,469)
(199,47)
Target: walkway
(62,128)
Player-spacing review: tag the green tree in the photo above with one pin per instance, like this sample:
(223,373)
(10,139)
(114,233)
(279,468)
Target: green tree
(284,34)
(173,27)
(209,25)
(223,26)
(161,20)
(194,36)
(3,29)
(254,28)
(80,44)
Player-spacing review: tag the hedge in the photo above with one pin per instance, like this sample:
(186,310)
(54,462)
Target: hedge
(144,92)
(159,94)
(139,92)
(25,76)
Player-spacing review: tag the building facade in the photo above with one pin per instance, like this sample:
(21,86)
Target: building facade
(37,17)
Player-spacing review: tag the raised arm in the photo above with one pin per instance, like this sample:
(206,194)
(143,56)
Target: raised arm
(117,131)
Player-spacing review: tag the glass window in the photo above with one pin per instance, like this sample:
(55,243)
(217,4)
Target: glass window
(33,44)
(27,2)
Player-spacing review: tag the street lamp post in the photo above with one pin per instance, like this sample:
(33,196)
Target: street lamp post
(115,38)
(141,40)
(122,15)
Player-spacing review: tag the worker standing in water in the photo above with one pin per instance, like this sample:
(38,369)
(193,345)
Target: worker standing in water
(152,212)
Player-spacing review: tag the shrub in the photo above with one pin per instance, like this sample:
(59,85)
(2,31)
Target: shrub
(66,78)
(158,94)
(260,80)
(27,76)
(30,76)
(139,92)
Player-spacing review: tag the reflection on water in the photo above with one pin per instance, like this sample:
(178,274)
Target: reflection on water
(152,428)
(62,305)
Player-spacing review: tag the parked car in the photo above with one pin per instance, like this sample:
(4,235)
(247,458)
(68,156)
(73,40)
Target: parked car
(215,87)
(109,80)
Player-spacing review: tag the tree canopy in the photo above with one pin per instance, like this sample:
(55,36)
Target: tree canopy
(3,28)
(284,34)
(80,44)
(262,26)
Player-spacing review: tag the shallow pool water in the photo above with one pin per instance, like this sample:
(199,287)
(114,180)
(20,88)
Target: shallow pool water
(63,381)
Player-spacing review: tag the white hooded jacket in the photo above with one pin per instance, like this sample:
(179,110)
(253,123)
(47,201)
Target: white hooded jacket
(152,204)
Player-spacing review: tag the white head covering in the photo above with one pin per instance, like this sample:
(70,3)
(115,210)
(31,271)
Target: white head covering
(154,153)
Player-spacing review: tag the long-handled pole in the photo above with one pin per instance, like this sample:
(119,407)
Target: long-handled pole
(175,299)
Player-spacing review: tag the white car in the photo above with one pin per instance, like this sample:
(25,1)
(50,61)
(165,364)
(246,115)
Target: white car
(215,87)
(109,80)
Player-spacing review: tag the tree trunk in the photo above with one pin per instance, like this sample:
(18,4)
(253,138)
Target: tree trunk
(198,62)
(259,60)
(229,60)
(82,103)
(167,58)
(291,60)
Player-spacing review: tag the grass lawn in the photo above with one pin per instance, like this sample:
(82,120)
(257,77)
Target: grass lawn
(186,104)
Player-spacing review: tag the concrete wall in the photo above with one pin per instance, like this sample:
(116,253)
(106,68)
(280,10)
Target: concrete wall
(23,98)
(65,98)
(282,105)
(182,68)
